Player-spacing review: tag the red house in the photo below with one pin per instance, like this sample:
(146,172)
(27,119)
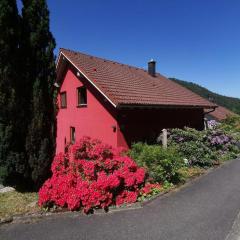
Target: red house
(118,103)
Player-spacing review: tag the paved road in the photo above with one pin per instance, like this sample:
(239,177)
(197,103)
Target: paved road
(205,210)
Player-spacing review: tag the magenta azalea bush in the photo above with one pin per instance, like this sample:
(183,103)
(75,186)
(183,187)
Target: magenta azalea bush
(92,175)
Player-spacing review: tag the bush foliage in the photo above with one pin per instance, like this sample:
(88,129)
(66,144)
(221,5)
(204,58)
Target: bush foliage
(196,148)
(93,175)
(191,144)
(161,164)
(232,125)
(204,148)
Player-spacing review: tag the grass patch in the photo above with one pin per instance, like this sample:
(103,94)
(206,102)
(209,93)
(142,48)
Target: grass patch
(191,172)
(12,203)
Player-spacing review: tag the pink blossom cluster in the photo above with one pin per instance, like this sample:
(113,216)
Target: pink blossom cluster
(92,175)
(148,188)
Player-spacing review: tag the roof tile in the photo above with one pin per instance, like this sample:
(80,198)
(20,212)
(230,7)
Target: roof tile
(221,113)
(125,84)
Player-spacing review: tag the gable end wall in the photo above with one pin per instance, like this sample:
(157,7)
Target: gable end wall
(96,120)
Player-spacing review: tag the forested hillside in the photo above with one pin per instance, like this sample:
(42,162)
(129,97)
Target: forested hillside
(228,102)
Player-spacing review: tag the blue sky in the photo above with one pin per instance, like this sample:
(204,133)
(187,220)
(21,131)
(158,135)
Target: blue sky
(193,40)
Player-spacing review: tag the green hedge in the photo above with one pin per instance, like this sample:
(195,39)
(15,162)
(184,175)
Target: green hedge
(162,164)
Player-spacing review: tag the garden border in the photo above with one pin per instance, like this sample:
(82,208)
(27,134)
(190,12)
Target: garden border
(33,217)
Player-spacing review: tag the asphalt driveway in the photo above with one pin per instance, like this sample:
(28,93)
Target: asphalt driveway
(204,210)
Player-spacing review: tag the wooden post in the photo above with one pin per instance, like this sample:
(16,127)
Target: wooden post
(205,124)
(164,138)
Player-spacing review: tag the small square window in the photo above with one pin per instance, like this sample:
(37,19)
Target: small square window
(81,96)
(72,135)
(63,99)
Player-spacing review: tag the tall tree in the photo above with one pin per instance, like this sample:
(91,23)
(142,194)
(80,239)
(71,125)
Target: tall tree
(11,156)
(39,68)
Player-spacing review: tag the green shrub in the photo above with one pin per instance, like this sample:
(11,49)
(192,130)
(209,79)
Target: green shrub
(231,125)
(193,146)
(200,148)
(197,153)
(162,164)
(204,148)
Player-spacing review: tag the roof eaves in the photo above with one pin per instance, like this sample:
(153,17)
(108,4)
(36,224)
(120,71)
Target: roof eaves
(123,105)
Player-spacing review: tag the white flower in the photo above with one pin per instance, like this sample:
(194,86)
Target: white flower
(185,161)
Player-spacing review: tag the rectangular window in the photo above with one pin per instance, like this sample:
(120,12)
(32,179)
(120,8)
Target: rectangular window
(63,99)
(72,135)
(81,97)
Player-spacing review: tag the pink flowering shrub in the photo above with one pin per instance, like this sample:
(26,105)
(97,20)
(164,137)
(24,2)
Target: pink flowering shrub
(92,175)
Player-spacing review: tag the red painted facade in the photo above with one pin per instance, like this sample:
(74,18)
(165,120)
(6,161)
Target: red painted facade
(118,127)
(95,120)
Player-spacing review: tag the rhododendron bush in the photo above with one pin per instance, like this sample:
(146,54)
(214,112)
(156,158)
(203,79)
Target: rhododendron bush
(92,175)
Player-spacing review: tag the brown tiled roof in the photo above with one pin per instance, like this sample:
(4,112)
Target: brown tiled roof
(124,84)
(221,113)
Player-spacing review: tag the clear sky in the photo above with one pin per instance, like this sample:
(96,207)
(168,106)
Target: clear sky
(193,40)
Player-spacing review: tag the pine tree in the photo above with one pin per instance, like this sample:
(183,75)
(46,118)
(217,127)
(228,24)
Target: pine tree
(12,163)
(37,47)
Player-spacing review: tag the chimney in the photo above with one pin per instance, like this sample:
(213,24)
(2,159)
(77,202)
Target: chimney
(152,67)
